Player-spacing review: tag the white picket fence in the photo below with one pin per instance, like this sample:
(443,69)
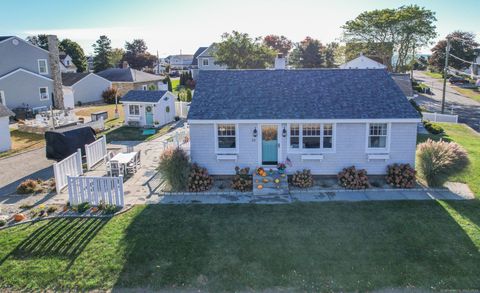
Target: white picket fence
(176,140)
(96,151)
(437,117)
(181,109)
(70,166)
(95,190)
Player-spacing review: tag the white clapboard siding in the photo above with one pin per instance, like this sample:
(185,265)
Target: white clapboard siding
(96,151)
(70,166)
(96,190)
(181,109)
(437,117)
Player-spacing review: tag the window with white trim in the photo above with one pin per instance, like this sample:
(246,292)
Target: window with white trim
(377,135)
(144,87)
(42,66)
(226,136)
(134,110)
(312,136)
(205,61)
(43,92)
(294,136)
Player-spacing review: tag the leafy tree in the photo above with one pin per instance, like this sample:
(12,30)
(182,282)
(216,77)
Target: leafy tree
(137,56)
(103,53)
(117,57)
(462,45)
(420,63)
(329,52)
(76,52)
(279,44)
(239,51)
(380,52)
(39,40)
(404,28)
(308,54)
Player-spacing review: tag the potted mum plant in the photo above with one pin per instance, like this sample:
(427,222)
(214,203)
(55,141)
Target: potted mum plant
(281,168)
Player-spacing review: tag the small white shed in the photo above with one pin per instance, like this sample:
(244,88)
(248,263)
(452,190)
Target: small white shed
(148,108)
(5,141)
(83,87)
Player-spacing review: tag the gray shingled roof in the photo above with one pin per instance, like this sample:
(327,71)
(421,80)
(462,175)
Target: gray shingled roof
(70,78)
(298,94)
(209,51)
(198,52)
(143,96)
(127,75)
(404,83)
(3,38)
(5,112)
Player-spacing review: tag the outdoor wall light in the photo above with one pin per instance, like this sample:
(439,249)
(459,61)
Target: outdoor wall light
(255,132)
(284,132)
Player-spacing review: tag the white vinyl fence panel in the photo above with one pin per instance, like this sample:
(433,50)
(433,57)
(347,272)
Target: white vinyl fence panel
(97,124)
(96,190)
(437,117)
(70,166)
(181,109)
(96,151)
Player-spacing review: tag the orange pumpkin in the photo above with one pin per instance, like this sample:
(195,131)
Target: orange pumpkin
(94,209)
(19,217)
(260,186)
(265,180)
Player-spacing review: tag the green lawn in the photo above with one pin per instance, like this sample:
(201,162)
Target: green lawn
(300,247)
(433,74)
(23,141)
(126,133)
(470,93)
(470,140)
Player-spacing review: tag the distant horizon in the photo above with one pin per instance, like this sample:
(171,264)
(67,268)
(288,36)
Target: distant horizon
(171,27)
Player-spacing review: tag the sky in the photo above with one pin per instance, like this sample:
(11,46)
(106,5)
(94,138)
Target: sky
(175,26)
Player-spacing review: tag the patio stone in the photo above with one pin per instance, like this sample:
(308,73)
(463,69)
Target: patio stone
(350,196)
(385,195)
(416,195)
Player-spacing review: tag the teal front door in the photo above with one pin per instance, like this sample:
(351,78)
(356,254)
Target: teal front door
(269,144)
(149,115)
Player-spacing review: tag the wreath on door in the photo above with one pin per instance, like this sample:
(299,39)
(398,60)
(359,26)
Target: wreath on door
(149,108)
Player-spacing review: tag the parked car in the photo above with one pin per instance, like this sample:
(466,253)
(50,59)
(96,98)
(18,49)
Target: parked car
(174,74)
(457,80)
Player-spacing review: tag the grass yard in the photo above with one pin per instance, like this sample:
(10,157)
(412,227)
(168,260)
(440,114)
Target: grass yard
(470,140)
(470,93)
(86,111)
(175,84)
(23,141)
(126,133)
(298,247)
(433,74)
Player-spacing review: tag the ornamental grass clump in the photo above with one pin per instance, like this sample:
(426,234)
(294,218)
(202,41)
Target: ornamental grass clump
(401,175)
(351,178)
(174,168)
(439,159)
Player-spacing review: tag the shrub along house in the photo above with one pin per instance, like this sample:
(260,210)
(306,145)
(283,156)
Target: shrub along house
(148,108)
(319,119)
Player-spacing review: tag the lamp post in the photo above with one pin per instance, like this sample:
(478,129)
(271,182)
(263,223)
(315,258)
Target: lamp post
(445,72)
(116,107)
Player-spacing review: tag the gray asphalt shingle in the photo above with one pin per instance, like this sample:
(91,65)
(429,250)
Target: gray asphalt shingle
(143,96)
(128,75)
(299,94)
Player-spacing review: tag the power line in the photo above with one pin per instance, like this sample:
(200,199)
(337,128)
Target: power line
(463,60)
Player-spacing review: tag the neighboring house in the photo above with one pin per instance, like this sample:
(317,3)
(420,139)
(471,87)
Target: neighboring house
(90,67)
(127,79)
(148,108)
(362,62)
(179,61)
(83,88)
(194,67)
(5,141)
(206,59)
(404,82)
(318,119)
(25,74)
(66,63)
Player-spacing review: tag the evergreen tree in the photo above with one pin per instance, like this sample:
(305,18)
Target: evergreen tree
(103,52)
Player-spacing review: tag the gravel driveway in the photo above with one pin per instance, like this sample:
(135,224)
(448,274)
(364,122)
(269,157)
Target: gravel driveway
(468,110)
(15,169)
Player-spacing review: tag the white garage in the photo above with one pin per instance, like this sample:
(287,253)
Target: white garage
(5,141)
(83,88)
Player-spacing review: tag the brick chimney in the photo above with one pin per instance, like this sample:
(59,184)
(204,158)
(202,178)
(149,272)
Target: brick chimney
(125,65)
(54,63)
(280,61)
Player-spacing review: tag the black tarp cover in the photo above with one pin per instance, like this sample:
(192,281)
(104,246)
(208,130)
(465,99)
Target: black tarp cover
(61,143)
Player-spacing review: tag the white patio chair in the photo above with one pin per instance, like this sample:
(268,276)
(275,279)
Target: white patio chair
(116,169)
(137,159)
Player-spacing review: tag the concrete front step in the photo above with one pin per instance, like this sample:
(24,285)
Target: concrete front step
(270,187)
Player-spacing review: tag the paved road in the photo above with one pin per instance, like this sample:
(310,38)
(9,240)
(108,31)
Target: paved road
(467,109)
(15,169)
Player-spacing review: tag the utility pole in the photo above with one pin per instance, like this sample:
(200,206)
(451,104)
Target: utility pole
(445,72)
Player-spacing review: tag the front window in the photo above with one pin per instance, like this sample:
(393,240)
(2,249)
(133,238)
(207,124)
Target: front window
(43,91)
(134,110)
(327,136)
(42,66)
(294,136)
(205,62)
(226,134)
(311,136)
(377,135)
(144,87)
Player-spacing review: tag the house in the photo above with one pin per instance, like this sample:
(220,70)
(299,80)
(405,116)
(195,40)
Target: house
(181,61)
(66,63)
(90,67)
(83,88)
(28,74)
(362,62)
(318,119)
(204,59)
(148,108)
(126,79)
(5,141)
